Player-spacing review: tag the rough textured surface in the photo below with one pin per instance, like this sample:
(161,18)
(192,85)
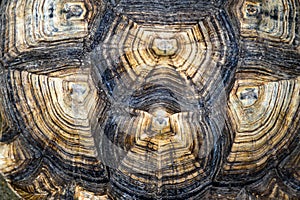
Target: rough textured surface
(5,191)
(137,99)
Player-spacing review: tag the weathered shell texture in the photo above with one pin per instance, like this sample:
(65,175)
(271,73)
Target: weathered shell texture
(141,99)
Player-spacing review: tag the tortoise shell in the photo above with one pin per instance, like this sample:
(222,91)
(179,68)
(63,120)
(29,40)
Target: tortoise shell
(154,99)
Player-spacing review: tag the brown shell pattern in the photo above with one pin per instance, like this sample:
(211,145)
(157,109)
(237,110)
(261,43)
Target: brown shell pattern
(137,99)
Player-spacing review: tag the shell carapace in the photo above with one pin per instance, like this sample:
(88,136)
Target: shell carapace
(136,99)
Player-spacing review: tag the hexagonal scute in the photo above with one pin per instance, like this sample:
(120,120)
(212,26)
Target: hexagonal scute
(135,99)
(43,26)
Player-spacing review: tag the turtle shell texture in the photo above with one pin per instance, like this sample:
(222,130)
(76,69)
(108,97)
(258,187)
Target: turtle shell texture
(138,99)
